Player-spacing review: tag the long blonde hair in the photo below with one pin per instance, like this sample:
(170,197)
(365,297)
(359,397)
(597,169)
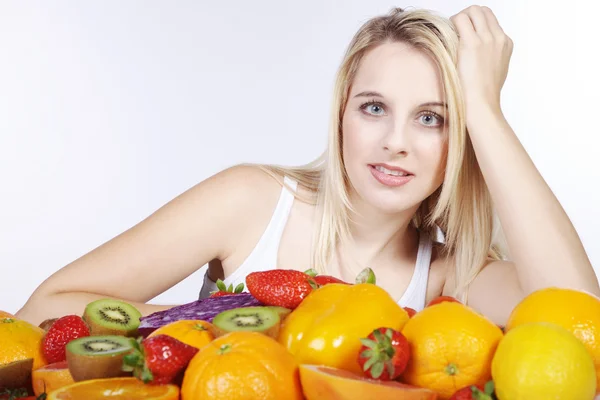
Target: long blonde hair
(461,208)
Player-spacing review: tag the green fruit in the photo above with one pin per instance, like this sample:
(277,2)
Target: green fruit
(95,357)
(264,320)
(112,317)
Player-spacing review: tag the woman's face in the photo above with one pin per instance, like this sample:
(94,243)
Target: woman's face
(394,133)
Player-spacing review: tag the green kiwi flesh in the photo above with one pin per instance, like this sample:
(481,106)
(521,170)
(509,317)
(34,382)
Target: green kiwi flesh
(112,317)
(95,357)
(16,374)
(256,319)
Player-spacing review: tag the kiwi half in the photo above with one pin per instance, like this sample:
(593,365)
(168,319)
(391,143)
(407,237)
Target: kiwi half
(112,317)
(95,357)
(256,319)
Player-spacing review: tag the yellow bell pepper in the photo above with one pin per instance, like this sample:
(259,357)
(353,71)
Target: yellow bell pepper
(326,328)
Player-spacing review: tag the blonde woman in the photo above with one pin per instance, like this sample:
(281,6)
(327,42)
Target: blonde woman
(419,157)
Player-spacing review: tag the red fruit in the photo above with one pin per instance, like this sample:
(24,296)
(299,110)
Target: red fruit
(280,287)
(158,359)
(410,311)
(227,291)
(323,280)
(442,299)
(384,354)
(475,392)
(62,331)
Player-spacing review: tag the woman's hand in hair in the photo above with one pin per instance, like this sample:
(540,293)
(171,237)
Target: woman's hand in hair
(483,57)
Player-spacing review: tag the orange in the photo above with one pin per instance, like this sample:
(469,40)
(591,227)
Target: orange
(193,333)
(20,340)
(51,377)
(541,360)
(321,382)
(577,311)
(115,389)
(242,365)
(452,346)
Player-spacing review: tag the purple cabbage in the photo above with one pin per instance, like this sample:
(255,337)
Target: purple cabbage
(204,310)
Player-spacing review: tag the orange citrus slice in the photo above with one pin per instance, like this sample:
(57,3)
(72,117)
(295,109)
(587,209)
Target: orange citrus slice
(115,389)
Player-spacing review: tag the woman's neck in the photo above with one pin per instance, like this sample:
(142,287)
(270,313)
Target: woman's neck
(377,236)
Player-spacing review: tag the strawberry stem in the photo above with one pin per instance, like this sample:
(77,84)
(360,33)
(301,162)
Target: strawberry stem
(366,276)
(311,272)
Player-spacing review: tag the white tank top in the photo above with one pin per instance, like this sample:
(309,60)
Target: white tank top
(264,256)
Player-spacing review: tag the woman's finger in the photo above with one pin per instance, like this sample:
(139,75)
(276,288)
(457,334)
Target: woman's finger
(492,22)
(463,25)
(479,21)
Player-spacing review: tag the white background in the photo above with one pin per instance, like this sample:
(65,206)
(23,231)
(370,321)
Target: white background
(109,109)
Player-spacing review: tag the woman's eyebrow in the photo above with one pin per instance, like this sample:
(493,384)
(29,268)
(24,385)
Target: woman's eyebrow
(369,94)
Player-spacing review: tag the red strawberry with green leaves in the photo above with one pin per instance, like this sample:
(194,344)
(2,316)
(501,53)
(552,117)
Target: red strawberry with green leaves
(475,392)
(280,287)
(227,291)
(158,359)
(384,354)
(62,331)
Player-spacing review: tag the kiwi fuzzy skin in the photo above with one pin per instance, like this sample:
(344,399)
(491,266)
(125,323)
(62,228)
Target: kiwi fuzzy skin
(96,366)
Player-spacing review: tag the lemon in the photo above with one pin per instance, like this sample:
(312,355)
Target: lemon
(540,360)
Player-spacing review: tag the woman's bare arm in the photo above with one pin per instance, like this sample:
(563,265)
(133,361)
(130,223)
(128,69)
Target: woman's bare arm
(199,225)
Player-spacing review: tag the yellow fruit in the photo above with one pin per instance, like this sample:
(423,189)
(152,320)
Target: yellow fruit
(20,340)
(452,346)
(574,310)
(195,333)
(326,328)
(543,361)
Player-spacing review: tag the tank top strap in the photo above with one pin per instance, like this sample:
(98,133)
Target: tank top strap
(416,292)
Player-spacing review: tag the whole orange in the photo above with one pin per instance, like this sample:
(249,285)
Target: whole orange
(20,340)
(242,365)
(577,311)
(194,333)
(452,346)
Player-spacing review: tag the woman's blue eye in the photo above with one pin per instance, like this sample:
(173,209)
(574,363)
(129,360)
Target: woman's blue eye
(373,108)
(431,119)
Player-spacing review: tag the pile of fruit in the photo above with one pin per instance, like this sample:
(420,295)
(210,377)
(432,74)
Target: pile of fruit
(299,335)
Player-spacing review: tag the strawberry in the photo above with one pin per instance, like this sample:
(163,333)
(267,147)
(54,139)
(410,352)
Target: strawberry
(322,280)
(280,287)
(411,311)
(441,299)
(475,392)
(158,359)
(227,291)
(62,331)
(384,354)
